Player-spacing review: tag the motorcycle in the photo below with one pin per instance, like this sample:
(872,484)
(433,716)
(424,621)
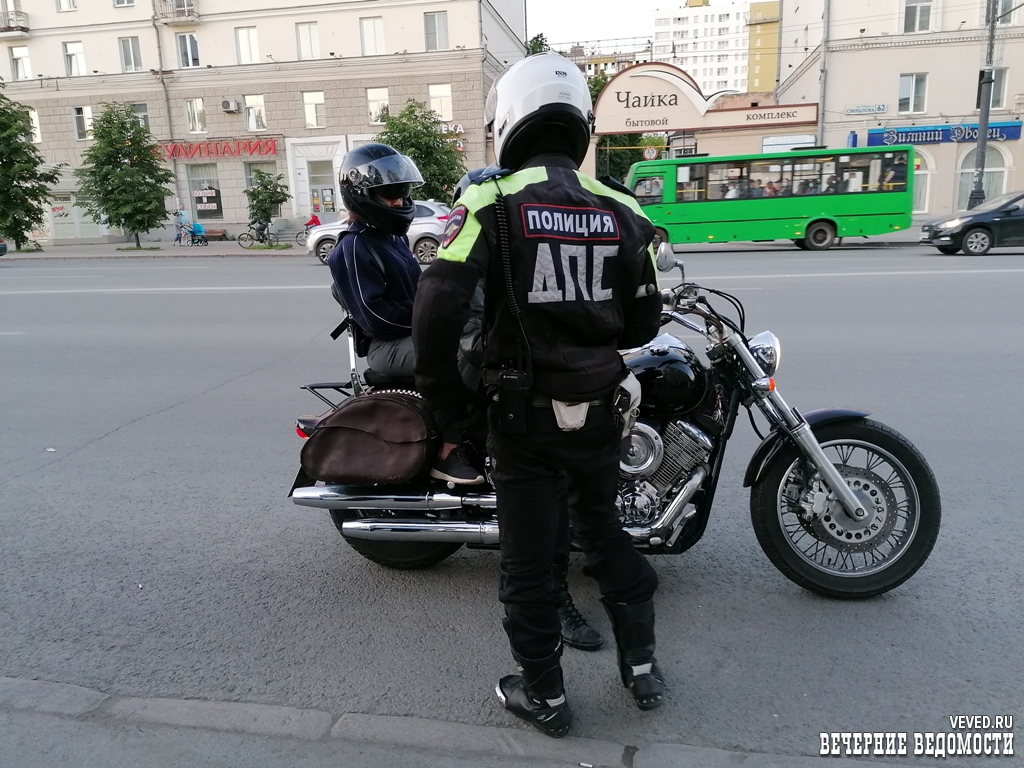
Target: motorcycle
(843,505)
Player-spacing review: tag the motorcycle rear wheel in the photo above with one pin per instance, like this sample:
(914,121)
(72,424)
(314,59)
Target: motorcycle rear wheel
(835,555)
(400,555)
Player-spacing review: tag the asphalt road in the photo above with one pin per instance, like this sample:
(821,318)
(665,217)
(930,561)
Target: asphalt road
(147,547)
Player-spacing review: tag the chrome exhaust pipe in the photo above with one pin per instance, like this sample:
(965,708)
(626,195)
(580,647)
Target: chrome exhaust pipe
(480,533)
(462,532)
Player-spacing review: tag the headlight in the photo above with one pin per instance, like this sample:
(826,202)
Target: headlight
(951,224)
(767,350)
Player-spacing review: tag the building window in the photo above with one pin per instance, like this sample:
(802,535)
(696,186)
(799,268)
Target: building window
(307,40)
(313,107)
(441,100)
(36,135)
(435,27)
(124,3)
(921,180)
(67,5)
(21,69)
(372,32)
(268,168)
(998,89)
(248,45)
(188,51)
(83,122)
(377,104)
(202,178)
(993,181)
(131,56)
(912,92)
(255,114)
(142,113)
(196,114)
(1004,11)
(662,22)
(74,59)
(917,16)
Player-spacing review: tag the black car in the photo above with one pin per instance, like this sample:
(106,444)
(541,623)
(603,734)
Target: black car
(998,222)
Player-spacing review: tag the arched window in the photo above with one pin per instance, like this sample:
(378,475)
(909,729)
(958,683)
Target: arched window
(922,181)
(993,181)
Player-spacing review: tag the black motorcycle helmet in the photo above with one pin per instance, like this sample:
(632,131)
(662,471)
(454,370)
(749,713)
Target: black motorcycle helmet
(477,176)
(375,171)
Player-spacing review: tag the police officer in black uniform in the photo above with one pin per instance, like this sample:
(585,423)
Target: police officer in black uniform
(570,279)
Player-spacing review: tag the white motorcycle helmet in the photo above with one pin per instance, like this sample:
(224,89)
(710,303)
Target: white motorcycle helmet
(539,104)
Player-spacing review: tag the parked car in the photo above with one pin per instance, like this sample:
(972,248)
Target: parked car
(424,233)
(993,224)
(3,247)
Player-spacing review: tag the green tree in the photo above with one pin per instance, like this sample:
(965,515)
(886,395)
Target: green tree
(266,193)
(537,44)
(418,132)
(123,182)
(612,159)
(24,180)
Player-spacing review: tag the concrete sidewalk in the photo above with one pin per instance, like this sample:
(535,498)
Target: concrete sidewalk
(52,724)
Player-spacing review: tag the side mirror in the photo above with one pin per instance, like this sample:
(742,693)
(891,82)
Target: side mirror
(1011,208)
(666,259)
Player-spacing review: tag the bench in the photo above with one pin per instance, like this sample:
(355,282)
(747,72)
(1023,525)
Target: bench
(216,234)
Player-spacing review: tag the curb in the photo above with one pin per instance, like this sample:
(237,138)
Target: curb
(74,701)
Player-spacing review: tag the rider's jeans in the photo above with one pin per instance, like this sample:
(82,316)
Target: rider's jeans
(527,478)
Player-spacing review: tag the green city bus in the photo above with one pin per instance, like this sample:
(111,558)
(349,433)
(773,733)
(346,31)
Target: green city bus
(813,197)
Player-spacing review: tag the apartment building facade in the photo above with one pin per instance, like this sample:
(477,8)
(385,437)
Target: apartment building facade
(230,88)
(709,39)
(907,71)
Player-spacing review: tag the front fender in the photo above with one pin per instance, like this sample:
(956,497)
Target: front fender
(776,440)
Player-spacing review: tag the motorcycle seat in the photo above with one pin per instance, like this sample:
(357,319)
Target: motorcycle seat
(375,379)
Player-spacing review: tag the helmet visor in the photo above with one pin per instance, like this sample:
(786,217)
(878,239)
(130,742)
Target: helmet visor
(392,170)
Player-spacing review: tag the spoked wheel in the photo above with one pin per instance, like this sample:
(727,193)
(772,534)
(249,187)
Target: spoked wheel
(271,238)
(977,242)
(300,239)
(425,250)
(246,240)
(810,537)
(401,555)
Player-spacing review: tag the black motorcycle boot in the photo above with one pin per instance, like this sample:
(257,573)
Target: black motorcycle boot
(633,626)
(537,694)
(576,632)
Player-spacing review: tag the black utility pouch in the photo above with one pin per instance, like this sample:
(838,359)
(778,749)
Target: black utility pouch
(513,401)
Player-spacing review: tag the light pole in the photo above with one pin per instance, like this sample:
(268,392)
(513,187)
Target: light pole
(977,196)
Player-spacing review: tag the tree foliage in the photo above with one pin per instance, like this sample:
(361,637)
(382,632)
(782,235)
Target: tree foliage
(537,44)
(612,160)
(123,182)
(418,132)
(266,193)
(24,180)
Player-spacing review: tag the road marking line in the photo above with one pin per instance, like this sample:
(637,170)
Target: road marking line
(705,279)
(195,289)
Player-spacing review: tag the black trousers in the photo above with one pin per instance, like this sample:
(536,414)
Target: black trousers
(530,472)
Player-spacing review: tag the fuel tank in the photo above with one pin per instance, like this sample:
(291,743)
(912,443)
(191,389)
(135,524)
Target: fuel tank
(673,380)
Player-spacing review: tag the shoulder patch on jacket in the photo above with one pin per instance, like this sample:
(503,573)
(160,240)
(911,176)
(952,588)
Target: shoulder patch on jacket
(456,220)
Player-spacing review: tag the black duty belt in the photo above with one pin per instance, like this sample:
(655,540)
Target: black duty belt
(543,401)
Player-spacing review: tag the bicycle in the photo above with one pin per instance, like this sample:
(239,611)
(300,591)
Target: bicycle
(300,238)
(253,236)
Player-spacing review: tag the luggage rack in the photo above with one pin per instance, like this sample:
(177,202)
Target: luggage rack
(343,388)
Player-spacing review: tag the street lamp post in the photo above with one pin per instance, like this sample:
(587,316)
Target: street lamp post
(977,196)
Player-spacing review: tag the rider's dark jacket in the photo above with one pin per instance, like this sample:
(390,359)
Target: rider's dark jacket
(583,277)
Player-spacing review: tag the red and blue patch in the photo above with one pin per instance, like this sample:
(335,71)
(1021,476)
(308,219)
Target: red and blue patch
(456,220)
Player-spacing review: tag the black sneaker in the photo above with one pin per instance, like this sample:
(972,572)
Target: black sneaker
(456,469)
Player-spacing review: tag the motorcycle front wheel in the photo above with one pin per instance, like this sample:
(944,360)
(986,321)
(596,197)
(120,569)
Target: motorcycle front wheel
(400,555)
(814,542)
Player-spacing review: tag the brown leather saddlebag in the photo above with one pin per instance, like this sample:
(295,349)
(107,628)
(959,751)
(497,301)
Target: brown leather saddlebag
(384,437)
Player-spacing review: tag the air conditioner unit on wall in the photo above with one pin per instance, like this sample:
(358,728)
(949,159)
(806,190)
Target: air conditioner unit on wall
(229,105)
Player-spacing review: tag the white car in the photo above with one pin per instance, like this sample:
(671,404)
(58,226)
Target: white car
(424,233)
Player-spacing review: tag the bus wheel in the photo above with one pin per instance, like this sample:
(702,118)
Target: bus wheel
(660,236)
(800,243)
(821,236)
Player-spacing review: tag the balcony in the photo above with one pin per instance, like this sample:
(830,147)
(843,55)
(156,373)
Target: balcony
(178,12)
(13,25)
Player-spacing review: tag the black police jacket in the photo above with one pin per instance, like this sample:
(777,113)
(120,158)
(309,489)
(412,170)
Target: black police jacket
(583,277)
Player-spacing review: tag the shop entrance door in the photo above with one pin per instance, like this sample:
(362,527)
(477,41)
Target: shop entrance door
(322,197)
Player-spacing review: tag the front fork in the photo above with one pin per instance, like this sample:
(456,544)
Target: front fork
(775,409)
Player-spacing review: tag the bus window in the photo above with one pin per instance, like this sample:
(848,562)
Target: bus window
(894,172)
(649,190)
(765,178)
(727,181)
(691,183)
